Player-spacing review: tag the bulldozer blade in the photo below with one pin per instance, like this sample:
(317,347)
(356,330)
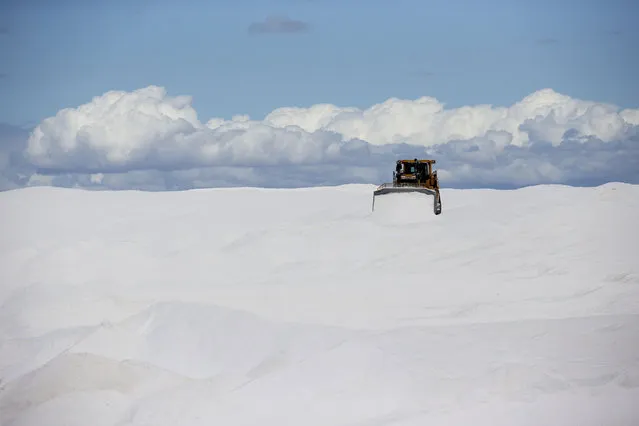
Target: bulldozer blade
(389,189)
(438,204)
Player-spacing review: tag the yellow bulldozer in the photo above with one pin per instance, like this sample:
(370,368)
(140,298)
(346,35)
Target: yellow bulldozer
(413,176)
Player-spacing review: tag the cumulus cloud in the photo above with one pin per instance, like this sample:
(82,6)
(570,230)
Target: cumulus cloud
(489,161)
(15,170)
(147,139)
(425,121)
(120,132)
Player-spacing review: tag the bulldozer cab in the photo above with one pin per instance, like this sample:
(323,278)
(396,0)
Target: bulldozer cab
(406,167)
(418,171)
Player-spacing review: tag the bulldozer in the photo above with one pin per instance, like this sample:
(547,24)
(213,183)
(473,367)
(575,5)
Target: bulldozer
(413,176)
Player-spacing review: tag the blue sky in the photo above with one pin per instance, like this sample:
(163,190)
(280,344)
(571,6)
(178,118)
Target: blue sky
(237,57)
(61,54)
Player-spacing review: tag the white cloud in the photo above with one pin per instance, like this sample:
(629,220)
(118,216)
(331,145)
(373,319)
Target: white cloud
(425,121)
(145,129)
(14,170)
(148,139)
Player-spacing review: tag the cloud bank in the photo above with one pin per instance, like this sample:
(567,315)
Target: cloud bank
(147,139)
